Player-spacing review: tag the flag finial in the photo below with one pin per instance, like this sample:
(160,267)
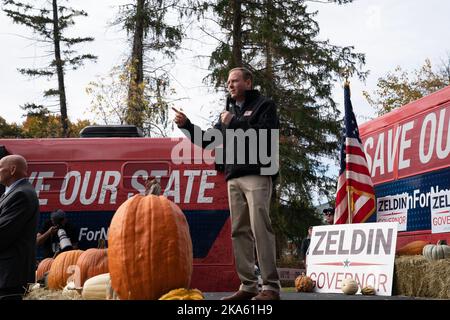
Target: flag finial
(345,74)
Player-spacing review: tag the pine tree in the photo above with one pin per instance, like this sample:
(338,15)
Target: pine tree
(50,20)
(278,41)
(153,44)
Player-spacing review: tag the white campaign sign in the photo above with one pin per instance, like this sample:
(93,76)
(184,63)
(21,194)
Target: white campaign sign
(363,251)
(440,211)
(393,209)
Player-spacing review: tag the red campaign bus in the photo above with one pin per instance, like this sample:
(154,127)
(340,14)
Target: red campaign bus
(89,178)
(407,152)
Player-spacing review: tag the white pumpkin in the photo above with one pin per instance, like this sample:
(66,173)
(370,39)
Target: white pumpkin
(96,288)
(349,286)
(437,251)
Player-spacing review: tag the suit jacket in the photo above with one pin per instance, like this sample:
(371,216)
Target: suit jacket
(19,211)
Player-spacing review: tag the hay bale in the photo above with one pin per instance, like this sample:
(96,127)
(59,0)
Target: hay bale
(418,277)
(45,294)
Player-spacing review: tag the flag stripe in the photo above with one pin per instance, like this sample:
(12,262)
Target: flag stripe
(358,169)
(341,207)
(361,187)
(353,142)
(364,213)
(343,218)
(341,191)
(354,151)
(357,160)
(360,201)
(359,178)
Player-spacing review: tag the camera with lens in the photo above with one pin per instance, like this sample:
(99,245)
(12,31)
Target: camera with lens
(64,241)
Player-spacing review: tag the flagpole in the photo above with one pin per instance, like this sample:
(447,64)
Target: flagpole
(349,203)
(349,191)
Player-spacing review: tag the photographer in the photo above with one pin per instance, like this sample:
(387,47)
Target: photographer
(57,235)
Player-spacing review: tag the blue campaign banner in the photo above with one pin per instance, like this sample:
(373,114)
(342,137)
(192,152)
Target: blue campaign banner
(416,191)
(204,226)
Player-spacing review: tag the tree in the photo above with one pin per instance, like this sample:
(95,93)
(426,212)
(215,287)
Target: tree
(50,21)
(400,87)
(109,96)
(9,130)
(41,123)
(36,126)
(76,127)
(153,45)
(278,42)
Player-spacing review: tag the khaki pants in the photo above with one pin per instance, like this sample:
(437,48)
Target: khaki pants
(249,201)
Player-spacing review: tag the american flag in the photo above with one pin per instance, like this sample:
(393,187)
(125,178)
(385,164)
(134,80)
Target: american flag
(355,197)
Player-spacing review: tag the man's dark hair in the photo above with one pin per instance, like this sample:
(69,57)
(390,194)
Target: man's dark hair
(247,74)
(58,216)
(328,211)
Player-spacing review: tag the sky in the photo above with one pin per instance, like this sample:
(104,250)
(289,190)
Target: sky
(390,32)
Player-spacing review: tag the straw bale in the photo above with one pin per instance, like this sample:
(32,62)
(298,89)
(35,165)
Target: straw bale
(418,277)
(45,294)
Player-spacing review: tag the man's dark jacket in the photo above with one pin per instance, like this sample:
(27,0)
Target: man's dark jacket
(19,211)
(304,247)
(257,112)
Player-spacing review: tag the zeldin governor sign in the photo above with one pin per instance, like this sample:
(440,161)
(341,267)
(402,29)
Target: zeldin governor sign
(363,251)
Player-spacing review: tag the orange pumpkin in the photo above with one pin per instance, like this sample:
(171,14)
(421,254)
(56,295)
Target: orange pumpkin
(62,268)
(92,262)
(303,283)
(149,248)
(43,267)
(412,248)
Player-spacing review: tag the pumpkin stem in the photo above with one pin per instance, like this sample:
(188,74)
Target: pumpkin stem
(101,243)
(442,242)
(152,187)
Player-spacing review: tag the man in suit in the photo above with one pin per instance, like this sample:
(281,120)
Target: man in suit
(19,211)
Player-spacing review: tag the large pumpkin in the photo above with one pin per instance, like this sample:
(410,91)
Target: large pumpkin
(412,248)
(92,262)
(43,267)
(149,248)
(436,251)
(62,268)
